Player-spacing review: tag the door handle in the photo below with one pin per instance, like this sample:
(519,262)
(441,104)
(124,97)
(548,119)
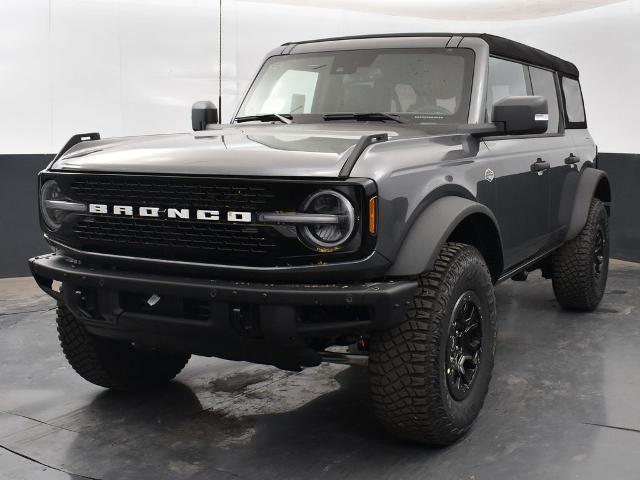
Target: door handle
(571,159)
(539,165)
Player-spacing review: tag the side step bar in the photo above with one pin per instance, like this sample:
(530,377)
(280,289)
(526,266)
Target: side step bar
(361,360)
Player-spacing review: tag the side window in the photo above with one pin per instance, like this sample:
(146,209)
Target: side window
(543,83)
(506,79)
(573,101)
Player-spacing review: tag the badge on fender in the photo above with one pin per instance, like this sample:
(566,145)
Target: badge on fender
(489,175)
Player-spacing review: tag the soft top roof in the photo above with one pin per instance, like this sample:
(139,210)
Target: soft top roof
(499,46)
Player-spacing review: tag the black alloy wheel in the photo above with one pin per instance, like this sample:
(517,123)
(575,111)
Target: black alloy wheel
(599,249)
(464,348)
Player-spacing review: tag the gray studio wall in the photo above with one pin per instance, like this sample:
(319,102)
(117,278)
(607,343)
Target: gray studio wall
(623,170)
(20,236)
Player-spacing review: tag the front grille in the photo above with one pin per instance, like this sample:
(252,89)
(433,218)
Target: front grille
(252,244)
(154,233)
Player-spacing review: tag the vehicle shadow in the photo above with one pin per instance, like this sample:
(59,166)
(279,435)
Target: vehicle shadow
(169,434)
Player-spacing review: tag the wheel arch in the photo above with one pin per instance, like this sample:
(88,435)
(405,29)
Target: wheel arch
(593,183)
(603,190)
(449,218)
(481,231)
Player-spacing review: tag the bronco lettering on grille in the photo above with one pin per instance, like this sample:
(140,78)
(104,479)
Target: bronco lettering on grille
(152,212)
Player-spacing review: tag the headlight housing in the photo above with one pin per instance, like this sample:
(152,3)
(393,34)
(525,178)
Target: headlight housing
(328,235)
(55,206)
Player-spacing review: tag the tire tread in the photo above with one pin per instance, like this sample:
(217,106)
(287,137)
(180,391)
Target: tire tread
(572,278)
(114,364)
(405,382)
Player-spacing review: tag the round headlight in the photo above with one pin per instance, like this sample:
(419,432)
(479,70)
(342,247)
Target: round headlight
(53,217)
(329,235)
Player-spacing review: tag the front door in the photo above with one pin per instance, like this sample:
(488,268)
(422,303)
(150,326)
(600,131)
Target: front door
(521,195)
(521,165)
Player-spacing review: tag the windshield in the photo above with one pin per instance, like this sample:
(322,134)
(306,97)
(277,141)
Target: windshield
(418,85)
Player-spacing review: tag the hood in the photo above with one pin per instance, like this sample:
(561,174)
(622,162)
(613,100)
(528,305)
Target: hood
(299,150)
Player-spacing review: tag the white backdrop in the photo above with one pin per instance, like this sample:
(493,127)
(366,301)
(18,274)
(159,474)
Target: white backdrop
(125,67)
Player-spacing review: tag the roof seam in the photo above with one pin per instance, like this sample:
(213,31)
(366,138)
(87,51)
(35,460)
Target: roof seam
(500,46)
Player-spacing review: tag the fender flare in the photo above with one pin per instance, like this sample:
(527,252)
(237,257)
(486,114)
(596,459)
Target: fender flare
(589,181)
(430,230)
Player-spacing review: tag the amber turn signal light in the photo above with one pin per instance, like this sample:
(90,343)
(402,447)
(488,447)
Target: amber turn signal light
(373,204)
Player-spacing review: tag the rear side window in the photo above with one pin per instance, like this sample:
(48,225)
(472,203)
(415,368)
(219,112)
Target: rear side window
(506,79)
(573,103)
(543,83)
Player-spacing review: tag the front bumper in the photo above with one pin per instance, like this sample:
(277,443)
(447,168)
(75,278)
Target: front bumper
(266,323)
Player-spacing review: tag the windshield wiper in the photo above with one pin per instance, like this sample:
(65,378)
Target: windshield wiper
(363,116)
(265,117)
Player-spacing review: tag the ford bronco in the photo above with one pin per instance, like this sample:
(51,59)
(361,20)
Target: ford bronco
(364,200)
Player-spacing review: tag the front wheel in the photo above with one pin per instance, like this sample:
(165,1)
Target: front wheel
(112,363)
(581,266)
(430,375)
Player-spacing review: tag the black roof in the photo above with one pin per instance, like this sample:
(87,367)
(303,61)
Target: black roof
(499,46)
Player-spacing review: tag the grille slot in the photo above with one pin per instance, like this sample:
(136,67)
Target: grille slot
(201,236)
(166,192)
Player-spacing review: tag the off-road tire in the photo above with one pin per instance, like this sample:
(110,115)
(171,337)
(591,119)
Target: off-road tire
(408,382)
(111,363)
(576,283)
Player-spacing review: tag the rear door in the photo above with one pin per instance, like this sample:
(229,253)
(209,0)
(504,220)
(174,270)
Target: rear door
(559,150)
(583,147)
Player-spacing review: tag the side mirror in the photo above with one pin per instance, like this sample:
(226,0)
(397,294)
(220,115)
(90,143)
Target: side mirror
(202,114)
(522,115)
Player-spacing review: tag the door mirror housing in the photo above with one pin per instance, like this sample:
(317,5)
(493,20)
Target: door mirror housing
(522,115)
(203,113)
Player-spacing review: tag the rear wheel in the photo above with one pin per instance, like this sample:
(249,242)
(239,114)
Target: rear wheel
(429,376)
(112,363)
(581,266)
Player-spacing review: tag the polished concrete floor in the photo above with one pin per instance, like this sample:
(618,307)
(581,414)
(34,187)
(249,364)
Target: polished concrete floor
(564,403)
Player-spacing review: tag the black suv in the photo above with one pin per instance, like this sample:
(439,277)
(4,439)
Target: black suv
(365,199)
